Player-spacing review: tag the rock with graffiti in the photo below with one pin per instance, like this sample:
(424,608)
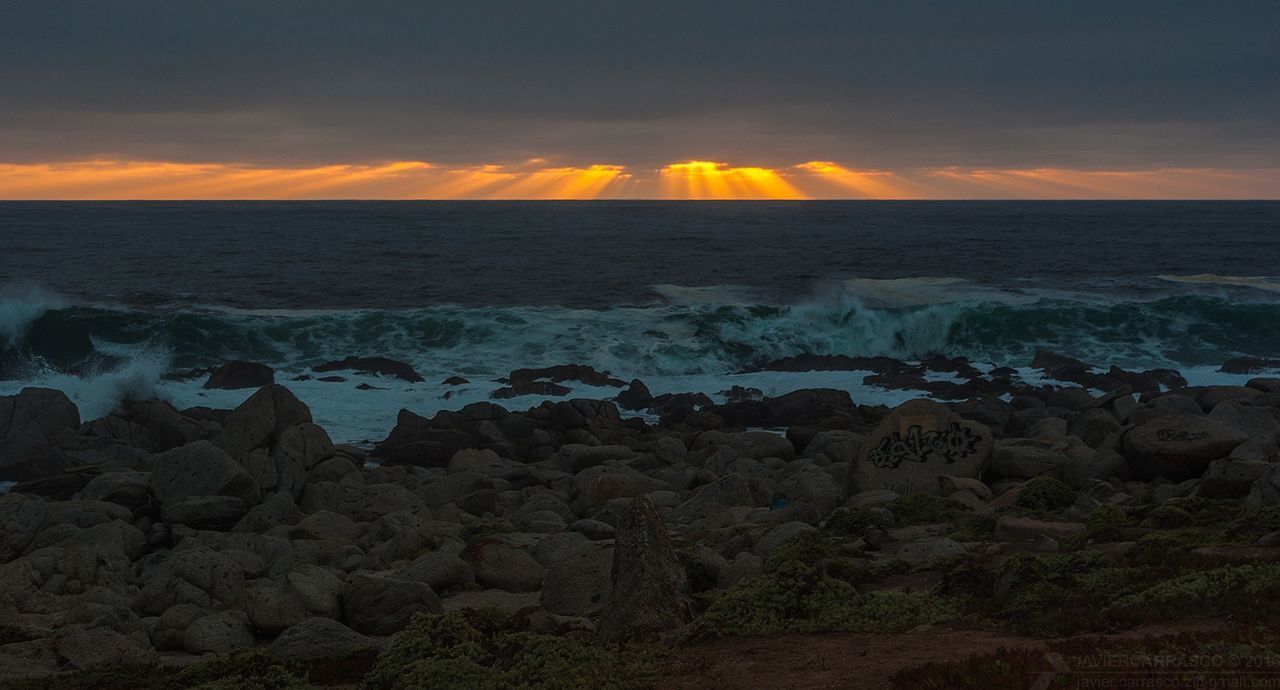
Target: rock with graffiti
(915,444)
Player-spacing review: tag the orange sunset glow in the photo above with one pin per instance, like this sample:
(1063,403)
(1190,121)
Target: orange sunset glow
(535,180)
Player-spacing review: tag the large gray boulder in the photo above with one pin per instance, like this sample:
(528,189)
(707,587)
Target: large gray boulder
(1179,447)
(89,647)
(199,469)
(649,591)
(199,576)
(259,421)
(503,563)
(915,444)
(218,633)
(319,638)
(30,424)
(21,517)
(578,585)
(383,603)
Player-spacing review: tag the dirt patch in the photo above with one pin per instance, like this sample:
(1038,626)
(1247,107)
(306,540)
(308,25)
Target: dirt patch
(852,661)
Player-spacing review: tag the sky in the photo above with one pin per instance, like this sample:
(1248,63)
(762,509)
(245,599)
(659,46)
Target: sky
(653,99)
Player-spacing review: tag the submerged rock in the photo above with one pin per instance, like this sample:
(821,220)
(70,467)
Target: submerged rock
(372,365)
(239,374)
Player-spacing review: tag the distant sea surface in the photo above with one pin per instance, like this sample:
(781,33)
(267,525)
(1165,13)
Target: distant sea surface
(101,299)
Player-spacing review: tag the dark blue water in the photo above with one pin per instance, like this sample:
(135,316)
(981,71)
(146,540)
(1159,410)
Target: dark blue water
(260,255)
(102,298)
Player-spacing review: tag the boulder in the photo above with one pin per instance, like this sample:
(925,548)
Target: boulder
(21,517)
(928,552)
(649,591)
(204,512)
(218,633)
(503,563)
(90,647)
(1252,421)
(372,365)
(258,421)
(1232,478)
(383,603)
(30,424)
(635,396)
(198,576)
(1027,459)
(128,489)
(319,638)
(730,490)
(915,444)
(1179,447)
(440,569)
(199,469)
(579,584)
(239,374)
(416,440)
(566,372)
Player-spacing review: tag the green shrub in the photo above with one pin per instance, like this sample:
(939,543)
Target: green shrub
(1046,494)
(853,521)
(482,651)
(1166,517)
(1106,516)
(919,509)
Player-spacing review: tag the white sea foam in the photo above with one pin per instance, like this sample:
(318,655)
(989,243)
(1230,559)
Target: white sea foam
(20,305)
(1265,283)
(98,393)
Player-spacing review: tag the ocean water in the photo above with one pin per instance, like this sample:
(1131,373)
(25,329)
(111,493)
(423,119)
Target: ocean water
(102,299)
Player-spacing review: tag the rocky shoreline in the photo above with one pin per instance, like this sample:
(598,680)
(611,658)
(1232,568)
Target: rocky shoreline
(160,541)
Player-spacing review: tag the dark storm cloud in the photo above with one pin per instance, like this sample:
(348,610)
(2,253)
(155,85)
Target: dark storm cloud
(1114,84)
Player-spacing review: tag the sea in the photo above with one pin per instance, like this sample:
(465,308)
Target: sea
(104,300)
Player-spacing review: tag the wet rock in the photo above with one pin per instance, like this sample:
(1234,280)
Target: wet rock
(240,374)
(565,372)
(635,396)
(649,591)
(1178,447)
(372,365)
(1249,365)
(542,388)
(915,444)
